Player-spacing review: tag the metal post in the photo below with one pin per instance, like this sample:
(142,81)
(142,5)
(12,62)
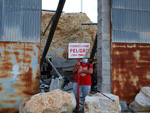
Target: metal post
(94,49)
(52,30)
(53,17)
(54,68)
(81,6)
(88,23)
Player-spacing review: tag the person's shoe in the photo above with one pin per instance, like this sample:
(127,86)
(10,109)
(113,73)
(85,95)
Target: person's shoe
(75,110)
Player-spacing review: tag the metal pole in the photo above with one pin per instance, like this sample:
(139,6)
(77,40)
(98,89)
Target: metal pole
(88,23)
(52,30)
(53,17)
(106,96)
(94,49)
(81,6)
(48,10)
(54,68)
(78,89)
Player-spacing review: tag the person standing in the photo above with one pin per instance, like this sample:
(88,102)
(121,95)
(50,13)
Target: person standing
(84,70)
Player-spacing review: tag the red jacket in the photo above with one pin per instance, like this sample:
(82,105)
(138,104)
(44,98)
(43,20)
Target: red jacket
(85,79)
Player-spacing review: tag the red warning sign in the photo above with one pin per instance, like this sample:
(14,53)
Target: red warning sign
(78,50)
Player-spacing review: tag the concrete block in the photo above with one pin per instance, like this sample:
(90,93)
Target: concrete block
(99,5)
(105,44)
(106,23)
(106,51)
(99,37)
(99,43)
(99,53)
(106,79)
(100,10)
(99,60)
(105,8)
(104,29)
(106,88)
(99,24)
(105,36)
(99,16)
(99,72)
(106,72)
(104,2)
(99,66)
(99,29)
(100,78)
(99,86)
(104,16)
(106,65)
(105,58)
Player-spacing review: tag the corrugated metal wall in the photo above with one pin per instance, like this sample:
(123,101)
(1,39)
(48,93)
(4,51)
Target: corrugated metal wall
(130,48)
(130,21)
(20,20)
(19,52)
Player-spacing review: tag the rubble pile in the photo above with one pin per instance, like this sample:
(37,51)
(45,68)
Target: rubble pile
(56,101)
(69,30)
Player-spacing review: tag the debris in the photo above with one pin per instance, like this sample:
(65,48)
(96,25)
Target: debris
(124,107)
(56,83)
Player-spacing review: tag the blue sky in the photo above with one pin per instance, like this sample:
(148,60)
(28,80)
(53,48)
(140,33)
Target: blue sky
(88,6)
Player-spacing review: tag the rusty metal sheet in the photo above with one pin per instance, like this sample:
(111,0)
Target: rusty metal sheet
(130,69)
(19,73)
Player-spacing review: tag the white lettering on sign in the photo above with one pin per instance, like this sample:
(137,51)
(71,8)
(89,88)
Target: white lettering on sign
(78,50)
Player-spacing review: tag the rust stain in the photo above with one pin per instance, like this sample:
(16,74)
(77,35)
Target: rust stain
(9,110)
(10,101)
(130,69)
(1,88)
(13,95)
(19,70)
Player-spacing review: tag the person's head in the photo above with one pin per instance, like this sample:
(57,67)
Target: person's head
(84,60)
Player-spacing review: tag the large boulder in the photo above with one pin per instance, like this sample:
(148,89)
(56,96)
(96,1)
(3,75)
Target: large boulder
(56,101)
(98,103)
(141,102)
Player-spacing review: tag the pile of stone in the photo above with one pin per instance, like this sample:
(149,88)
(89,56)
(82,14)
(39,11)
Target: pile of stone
(69,30)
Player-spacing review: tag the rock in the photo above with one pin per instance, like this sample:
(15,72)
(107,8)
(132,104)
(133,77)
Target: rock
(98,103)
(141,102)
(124,106)
(56,101)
